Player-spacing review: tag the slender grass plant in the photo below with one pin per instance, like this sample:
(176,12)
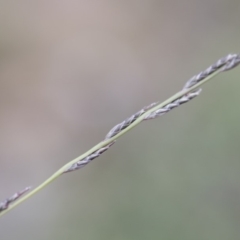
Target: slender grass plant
(190,90)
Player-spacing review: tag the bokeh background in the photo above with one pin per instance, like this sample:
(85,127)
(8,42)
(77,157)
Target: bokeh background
(70,70)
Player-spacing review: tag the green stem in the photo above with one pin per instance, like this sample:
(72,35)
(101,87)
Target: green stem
(106,142)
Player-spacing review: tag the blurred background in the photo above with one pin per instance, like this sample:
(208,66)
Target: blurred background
(71,70)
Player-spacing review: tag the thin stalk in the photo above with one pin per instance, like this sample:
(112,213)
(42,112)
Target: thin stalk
(108,141)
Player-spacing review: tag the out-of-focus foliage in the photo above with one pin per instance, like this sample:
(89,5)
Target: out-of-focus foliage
(70,70)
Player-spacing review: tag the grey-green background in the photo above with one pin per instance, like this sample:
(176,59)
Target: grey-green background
(70,70)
